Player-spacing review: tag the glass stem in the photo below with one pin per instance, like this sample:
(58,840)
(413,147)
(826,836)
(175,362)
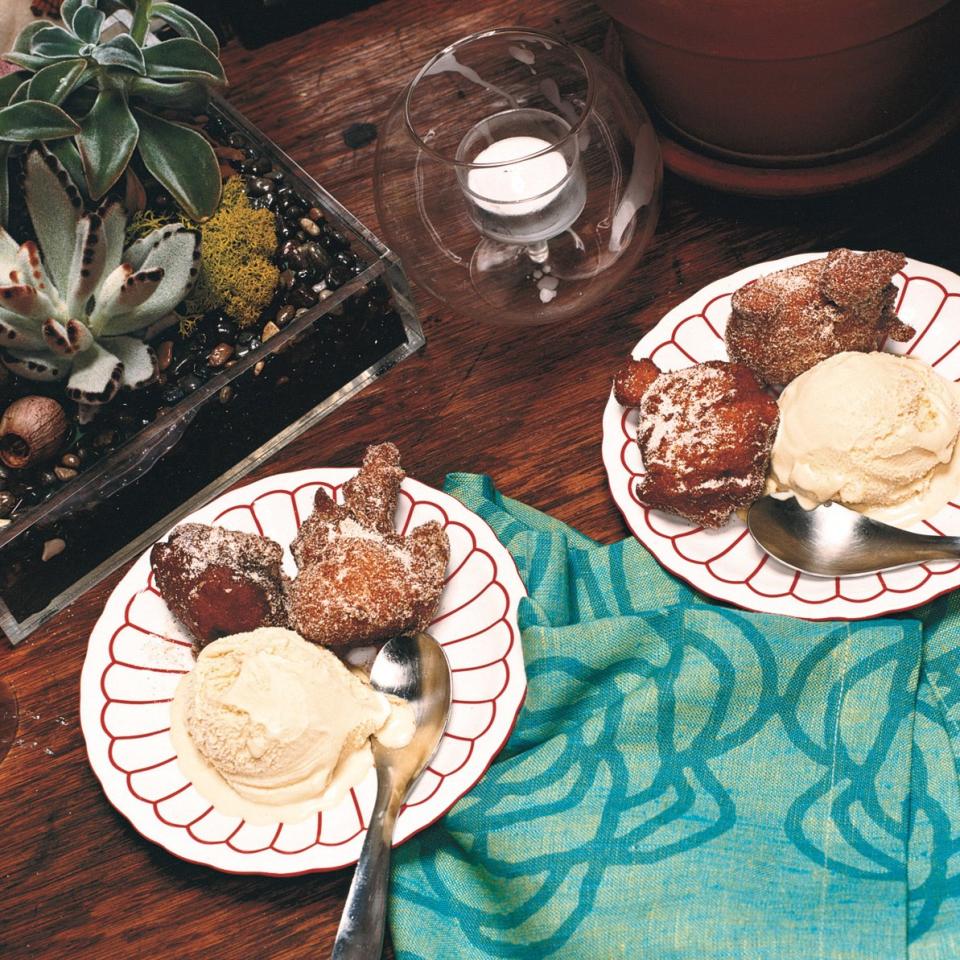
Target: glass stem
(538,252)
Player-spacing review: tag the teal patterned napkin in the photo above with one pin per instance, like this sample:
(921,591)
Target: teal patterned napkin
(689,780)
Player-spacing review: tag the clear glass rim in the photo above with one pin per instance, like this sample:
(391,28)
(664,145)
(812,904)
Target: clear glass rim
(518,32)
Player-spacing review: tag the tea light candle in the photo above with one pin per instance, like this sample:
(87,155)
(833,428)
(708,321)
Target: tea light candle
(517,187)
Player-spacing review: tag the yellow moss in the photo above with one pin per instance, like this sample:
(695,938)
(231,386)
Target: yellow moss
(144,222)
(188,325)
(236,274)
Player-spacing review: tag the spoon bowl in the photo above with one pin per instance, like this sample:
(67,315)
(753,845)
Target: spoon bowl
(413,669)
(833,541)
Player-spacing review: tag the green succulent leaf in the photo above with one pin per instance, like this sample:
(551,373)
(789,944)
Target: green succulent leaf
(183,59)
(187,24)
(69,8)
(26,35)
(108,136)
(56,82)
(27,60)
(4,184)
(87,23)
(55,43)
(9,84)
(35,120)
(184,95)
(121,51)
(183,161)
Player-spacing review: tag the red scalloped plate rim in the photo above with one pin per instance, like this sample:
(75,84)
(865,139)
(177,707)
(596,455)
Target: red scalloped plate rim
(697,303)
(132,819)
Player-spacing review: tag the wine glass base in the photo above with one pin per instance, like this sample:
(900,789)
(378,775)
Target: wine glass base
(9,717)
(543,281)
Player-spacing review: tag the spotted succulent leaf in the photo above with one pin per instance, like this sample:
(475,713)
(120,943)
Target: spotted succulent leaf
(55,206)
(174,252)
(55,336)
(139,361)
(86,269)
(34,364)
(108,136)
(95,377)
(18,333)
(31,269)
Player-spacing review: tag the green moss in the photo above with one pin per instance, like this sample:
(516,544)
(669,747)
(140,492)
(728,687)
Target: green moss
(236,274)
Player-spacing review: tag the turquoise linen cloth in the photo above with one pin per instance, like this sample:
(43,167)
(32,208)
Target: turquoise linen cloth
(689,780)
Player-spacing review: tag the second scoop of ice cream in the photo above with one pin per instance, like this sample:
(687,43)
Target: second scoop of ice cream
(874,431)
(281,721)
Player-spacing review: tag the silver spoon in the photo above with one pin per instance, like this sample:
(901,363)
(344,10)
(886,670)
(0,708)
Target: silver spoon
(413,668)
(834,541)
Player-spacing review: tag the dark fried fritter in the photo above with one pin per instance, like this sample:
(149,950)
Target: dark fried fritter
(631,381)
(790,320)
(359,581)
(705,433)
(218,582)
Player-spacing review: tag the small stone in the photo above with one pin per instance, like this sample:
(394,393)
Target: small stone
(315,214)
(237,139)
(47,478)
(358,135)
(171,394)
(104,439)
(309,226)
(270,329)
(7,502)
(258,367)
(189,383)
(287,279)
(259,186)
(285,314)
(282,381)
(53,548)
(70,460)
(226,394)
(220,354)
(165,354)
(64,473)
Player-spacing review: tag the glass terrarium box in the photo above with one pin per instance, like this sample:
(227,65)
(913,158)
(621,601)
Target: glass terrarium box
(230,386)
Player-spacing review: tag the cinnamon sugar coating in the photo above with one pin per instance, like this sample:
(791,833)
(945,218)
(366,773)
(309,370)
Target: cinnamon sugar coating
(632,380)
(219,582)
(788,321)
(359,581)
(705,433)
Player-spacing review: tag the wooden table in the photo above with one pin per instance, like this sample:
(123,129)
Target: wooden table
(524,407)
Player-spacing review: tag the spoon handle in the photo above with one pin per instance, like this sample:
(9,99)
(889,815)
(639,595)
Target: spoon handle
(360,934)
(937,548)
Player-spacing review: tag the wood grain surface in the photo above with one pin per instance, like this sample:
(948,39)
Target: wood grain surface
(524,407)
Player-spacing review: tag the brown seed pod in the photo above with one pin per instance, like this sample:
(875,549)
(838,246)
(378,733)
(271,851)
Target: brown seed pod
(31,431)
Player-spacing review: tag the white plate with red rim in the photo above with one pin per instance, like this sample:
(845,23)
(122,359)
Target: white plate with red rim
(726,563)
(137,654)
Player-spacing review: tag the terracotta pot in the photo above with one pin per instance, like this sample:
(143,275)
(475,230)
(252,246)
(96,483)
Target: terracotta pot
(792,83)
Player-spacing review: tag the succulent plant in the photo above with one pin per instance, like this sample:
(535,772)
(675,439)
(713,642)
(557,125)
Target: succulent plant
(96,100)
(82,310)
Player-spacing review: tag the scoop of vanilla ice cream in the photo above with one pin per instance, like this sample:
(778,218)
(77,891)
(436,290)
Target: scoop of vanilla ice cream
(870,430)
(276,715)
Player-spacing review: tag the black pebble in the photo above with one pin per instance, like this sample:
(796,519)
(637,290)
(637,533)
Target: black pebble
(171,394)
(358,135)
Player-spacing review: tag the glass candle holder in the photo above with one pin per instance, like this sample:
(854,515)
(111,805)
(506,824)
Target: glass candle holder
(518,177)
